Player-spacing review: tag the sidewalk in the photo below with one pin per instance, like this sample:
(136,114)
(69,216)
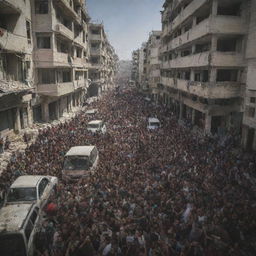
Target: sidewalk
(18,144)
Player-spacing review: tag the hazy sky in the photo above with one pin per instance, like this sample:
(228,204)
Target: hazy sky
(127,22)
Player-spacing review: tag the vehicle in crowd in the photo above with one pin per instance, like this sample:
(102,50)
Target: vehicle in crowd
(97,126)
(91,112)
(18,226)
(147,99)
(31,189)
(79,162)
(153,123)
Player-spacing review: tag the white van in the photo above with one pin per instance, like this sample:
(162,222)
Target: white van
(18,225)
(96,126)
(79,162)
(153,123)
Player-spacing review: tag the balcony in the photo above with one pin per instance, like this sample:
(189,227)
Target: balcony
(187,12)
(55,90)
(79,41)
(95,37)
(13,43)
(219,90)
(48,58)
(67,8)
(228,25)
(96,51)
(80,84)
(64,31)
(78,62)
(203,59)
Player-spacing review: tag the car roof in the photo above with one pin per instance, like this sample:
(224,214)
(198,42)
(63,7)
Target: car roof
(95,122)
(27,181)
(80,151)
(91,111)
(153,120)
(12,216)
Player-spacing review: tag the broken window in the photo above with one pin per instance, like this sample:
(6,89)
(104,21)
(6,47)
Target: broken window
(41,6)
(46,76)
(224,75)
(43,42)
(226,45)
(28,28)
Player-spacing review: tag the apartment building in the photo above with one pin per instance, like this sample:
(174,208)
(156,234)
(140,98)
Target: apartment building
(152,65)
(60,33)
(135,65)
(203,70)
(249,119)
(16,66)
(103,60)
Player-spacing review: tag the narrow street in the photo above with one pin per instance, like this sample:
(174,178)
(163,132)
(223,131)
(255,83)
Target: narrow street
(161,192)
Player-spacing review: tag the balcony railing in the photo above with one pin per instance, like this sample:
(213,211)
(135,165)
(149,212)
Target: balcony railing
(221,90)
(55,90)
(11,42)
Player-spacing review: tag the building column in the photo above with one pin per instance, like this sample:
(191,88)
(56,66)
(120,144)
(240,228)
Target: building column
(245,130)
(214,42)
(214,7)
(194,22)
(193,116)
(57,109)
(208,124)
(181,111)
(45,112)
(192,75)
(213,75)
(17,124)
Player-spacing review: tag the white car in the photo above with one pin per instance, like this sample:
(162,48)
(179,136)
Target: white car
(31,189)
(96,126)
(91,112)
(153,123)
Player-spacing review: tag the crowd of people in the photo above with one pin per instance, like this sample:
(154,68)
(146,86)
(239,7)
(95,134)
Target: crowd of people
(154,193)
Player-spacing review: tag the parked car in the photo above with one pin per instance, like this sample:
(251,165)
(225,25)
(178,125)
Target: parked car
(31,189)
(97,126)
(79,162)
(18,226)
(153,123)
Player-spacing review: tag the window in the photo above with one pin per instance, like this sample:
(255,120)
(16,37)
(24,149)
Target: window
(42,186)
(226,45)
(251,112)
(43,42)
(28,229)
(224,75)
(252,99)
(78,53)
(41,6)
(47,76)
(66,76)
(34,215)
(83,37)
(28,28)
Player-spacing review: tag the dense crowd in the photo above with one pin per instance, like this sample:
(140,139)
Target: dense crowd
(162,192)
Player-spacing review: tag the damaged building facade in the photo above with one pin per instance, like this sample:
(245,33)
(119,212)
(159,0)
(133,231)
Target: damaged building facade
(44,61)
(103,60)
(60,56)
(208,65)
(16,66)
